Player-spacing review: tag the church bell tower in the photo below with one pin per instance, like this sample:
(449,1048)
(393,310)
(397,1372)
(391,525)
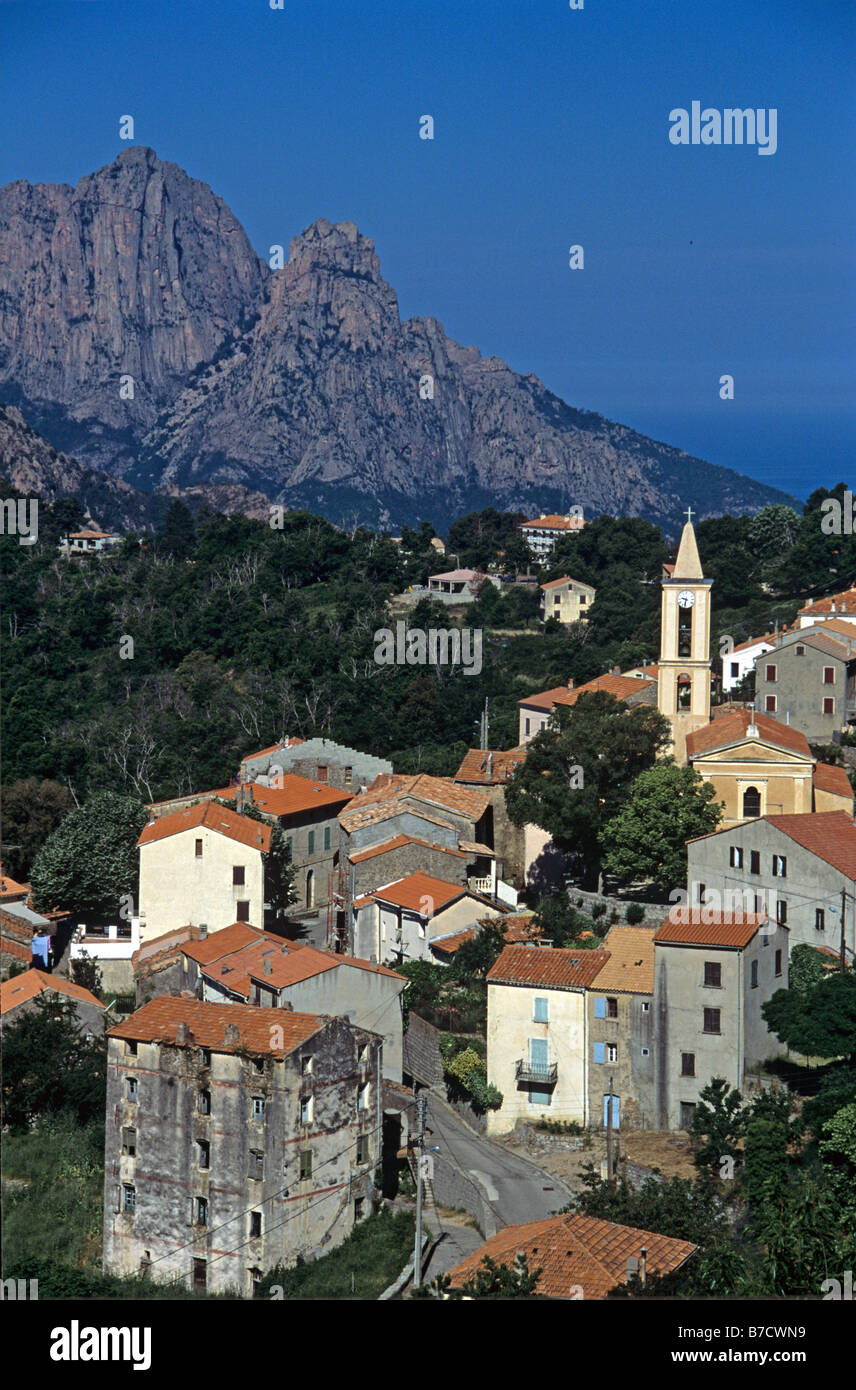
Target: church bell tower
(683,687)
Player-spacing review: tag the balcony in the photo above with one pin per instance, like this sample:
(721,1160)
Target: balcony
(535,1074)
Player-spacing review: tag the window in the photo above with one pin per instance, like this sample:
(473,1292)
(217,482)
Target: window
(326,837)
(687,1064)
(600,1008)
(712,1021)
(755,861)
(242,911)
(306,1066)
(612,1008)
(829,675)
(540,1014)
(205,1102)
(129,1198)
(258,1064)
(600,1052)
(735,857)
(291,846)
(310,843)
(582,599)
(256,1166)
(780,866)
(751,803)
(778,969)
(359,1204)
(782,912)
(713,974)
(800,651)
(255,1282)
(362,1149)
(612,1052)
(687,1112)
(645,1051)
(205,1056)
(753,975)
(349,776)
(198,849)
(200,1274)
(129,1142)
(258,1108)
(526,727)
(829,706)
(322,773)
(306,1109)
(702,893)
(646,1007)
(735,670)
(306,1163)
(770,704)
(200,1211)
(771,673)
(238,876)
(132,1049)
(130,1088)
(203,1153)
(819,919)
(255,1223)
(363,1097)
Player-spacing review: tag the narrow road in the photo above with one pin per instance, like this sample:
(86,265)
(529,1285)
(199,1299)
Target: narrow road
(517,1190)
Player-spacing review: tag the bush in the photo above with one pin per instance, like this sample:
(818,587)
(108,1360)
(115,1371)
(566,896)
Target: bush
(635,914)
(560,1126)
(598,910)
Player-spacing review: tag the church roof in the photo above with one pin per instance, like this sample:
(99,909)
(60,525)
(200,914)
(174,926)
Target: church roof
(734,728)
(688,563)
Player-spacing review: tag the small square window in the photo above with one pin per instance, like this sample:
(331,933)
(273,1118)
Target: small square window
(645,1051)
(800,651)
(713,974)
(829,675)
(129,1199)
(612,1008)
(205,1056)
(242,911)
(258,1108)
(770,704)
(771,673)
(646,1007)
(306,1163)
(132,1049)
(829,706)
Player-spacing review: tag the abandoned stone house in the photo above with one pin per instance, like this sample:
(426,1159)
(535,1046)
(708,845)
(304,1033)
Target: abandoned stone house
(318,759)
(237,1138)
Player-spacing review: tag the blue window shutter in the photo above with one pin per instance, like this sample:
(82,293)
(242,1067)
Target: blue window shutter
(538,1053)
(600,1052)
(600,1008)
(540,1010)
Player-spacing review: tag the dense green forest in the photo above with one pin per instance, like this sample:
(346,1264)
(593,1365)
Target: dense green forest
(152,670)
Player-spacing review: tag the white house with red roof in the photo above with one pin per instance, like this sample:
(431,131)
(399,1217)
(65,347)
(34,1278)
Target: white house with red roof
(567,600)
(203,865)
(400,921)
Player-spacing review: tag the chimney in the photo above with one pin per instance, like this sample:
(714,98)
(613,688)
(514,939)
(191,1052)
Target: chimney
(616,670)
(289,1008)
(833,606)
(643,1265)
(233,1037)
(203,930)
(284,948)
(267,965)
(182,1033)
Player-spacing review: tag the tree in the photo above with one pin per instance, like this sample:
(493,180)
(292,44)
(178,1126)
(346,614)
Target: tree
(90,861)
(668,805)
(819,1022)
(717,1124)
(475,958)
(561,922)
(32,808)
(178,535)
(85,972)
(805,969)
(49,1066)
(579,771)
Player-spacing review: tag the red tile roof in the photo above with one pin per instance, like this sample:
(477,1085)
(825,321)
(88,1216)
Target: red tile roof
(420,892)
(22,988)
(398,842)
(704,927)
(9,888)
(517,930)
(440,792)
(566,579)
(733,729)
(271,1031)
(554,522)
(621,687)
(831,835)
(489,768)
(845,602)
(210,816)
(575,1251)
(556,967)
(291,795)
(630,968)
(826,777)
(224,942)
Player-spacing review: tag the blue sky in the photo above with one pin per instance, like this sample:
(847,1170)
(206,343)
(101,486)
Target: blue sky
(551,129)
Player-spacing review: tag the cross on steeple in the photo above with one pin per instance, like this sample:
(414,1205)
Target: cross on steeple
(689,515)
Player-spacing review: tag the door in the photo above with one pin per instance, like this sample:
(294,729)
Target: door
(616,1112)
(538,1065)
(310,888)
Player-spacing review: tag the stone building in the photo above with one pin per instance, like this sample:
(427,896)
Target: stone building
(318,759)
(237,1139)
(401,855)
(808,681)
(567,600)
(489,772)
(795,868)
(401,921)
(621,1031)
(712,973)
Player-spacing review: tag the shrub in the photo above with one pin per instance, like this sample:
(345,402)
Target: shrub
(635,914)
(598,910)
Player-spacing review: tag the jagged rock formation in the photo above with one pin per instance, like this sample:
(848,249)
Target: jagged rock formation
(302,384)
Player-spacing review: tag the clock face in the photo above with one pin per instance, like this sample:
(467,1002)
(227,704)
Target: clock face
(686,598)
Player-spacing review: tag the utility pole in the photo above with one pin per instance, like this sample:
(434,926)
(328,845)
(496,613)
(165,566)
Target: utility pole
(610,1174)
(843,959)
(420,1146)
(484,724)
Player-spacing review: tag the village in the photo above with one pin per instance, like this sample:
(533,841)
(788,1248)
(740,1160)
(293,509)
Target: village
(338,990)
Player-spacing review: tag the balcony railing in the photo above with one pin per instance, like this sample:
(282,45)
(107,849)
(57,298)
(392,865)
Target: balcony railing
(537,1074)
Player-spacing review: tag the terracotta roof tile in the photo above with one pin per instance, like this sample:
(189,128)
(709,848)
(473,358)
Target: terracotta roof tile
(224,942)
(22,988)
(566,579)
(292,795)
(844,602)
(489,768)
(732,728)
(831,835)
(556,967)
(826,777)
(207,814)
(257,1028)
(553,522)
(420,892)
(577,1251)
(398,842)
(630,968)
(704,927)
(621,687)
(355,816)
(518,930)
